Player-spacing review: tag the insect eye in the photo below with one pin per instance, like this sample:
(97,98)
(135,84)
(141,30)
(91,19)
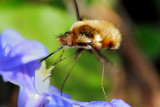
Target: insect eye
(67,33)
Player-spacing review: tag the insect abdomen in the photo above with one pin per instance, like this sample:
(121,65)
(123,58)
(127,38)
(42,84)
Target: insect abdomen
(111,36)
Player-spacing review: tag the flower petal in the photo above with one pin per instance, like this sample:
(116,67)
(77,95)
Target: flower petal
(56,91)
(16,51)
(10,37)
(41,78)
(1,49)
(113,103)
(57,101)
(23,53)
(29,98)
(98,104)
(29,51)
(24,78)
(119,103)
(22,75)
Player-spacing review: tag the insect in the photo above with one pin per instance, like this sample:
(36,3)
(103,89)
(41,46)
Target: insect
(90,35)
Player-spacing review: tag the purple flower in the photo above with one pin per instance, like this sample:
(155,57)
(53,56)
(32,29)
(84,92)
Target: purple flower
(18,61)
(15,52)
(18,64)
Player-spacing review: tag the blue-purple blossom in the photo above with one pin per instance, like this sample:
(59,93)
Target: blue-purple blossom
(15,52)
(19,65)
(18,61)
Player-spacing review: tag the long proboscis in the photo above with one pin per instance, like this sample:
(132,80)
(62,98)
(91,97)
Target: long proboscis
(51,53)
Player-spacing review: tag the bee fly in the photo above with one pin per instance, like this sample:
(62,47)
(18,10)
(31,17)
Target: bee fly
(90,35)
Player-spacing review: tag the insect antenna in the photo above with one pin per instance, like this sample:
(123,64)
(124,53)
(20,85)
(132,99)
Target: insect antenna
(76,59)
(77,11)
(52,53)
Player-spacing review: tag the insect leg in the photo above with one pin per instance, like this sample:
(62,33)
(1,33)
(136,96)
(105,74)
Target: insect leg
(76,59)
(59,58)
(61,67)
(77,51)
(66,57)
(103,61)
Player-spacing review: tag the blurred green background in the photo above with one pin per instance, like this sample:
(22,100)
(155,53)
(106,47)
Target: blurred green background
(44,20)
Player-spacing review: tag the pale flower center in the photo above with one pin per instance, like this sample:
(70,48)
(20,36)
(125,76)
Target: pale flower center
(42,79)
